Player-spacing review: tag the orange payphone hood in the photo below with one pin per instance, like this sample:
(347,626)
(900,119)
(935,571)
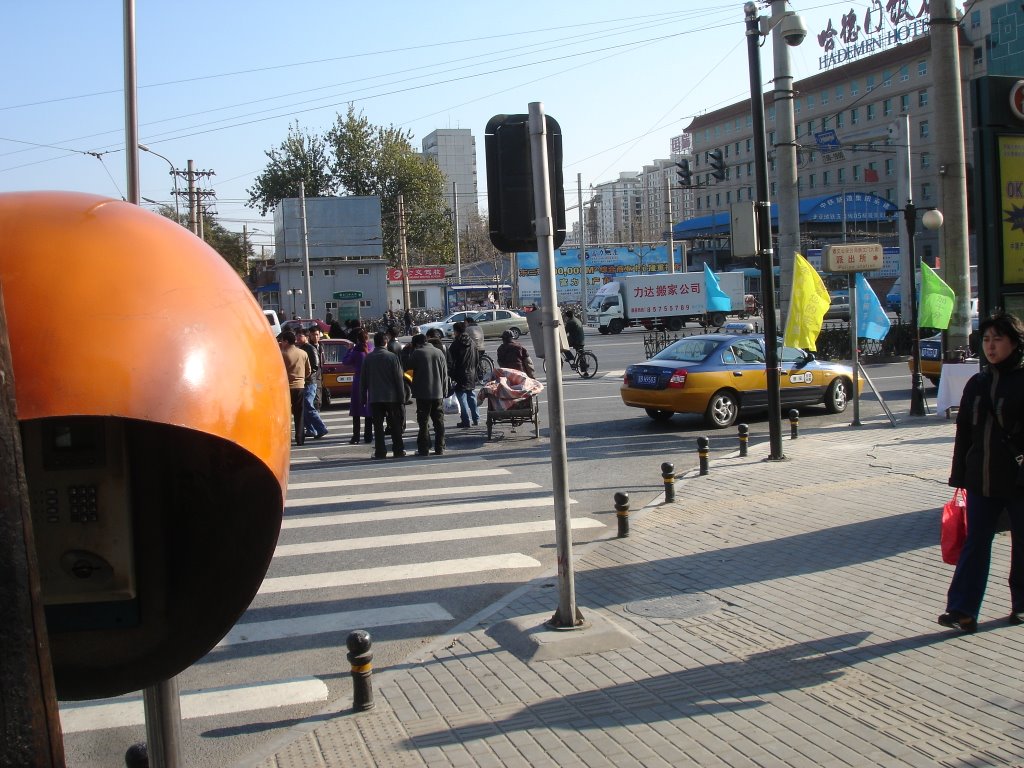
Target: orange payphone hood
(116,311)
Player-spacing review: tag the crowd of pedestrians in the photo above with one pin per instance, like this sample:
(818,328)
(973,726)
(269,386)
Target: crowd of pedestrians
(389,375)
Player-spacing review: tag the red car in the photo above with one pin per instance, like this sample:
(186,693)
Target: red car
(336,378)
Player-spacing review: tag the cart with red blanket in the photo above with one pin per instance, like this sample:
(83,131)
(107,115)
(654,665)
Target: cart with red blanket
(511,397)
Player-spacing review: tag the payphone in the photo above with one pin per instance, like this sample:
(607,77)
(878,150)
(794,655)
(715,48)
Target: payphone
(156,464)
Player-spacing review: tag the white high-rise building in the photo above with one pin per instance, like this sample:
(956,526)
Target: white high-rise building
(454,149)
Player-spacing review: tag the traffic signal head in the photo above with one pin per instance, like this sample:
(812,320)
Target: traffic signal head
(717,163)
(684,173)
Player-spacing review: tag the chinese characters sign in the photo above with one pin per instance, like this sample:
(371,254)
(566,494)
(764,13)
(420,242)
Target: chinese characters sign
(669,298)
(883,24)
(858,257)
(417,273)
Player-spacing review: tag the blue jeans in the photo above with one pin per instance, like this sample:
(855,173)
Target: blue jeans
(971,576)
(467,402)
(314,424)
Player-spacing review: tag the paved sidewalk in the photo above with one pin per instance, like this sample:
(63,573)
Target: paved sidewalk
(783,612)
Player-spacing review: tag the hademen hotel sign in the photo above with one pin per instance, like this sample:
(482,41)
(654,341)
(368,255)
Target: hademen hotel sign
(885,23)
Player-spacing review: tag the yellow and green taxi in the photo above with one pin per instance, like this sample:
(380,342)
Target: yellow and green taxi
(718,374)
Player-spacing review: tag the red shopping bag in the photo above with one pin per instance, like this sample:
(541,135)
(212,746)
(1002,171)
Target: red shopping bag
(954,526)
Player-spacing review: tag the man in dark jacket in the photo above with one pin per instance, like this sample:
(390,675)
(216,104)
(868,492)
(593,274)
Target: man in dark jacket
(429,375)
(512,354)
(465,362)
(384,389)
(574,334)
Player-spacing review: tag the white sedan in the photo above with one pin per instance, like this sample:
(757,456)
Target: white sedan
(446,324)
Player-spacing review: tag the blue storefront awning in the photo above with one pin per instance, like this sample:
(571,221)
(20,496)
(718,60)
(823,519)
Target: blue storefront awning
(269,288)
(824,209)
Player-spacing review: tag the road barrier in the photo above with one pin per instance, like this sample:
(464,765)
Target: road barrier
(744,434)
(668,476)
(622,513)
(702,454)
(361,659)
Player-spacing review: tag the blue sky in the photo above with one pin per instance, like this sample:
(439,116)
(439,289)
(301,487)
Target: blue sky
(219,82)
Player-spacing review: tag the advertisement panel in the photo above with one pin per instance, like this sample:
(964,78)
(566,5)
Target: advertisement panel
(603,264)
(1011,177)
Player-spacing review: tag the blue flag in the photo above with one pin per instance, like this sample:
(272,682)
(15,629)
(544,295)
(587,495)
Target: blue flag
(872,322)
(718,300)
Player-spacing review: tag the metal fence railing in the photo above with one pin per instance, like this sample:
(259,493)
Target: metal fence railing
(833,342)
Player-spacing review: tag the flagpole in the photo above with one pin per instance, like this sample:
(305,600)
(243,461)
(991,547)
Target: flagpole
(917,380)
(851,282)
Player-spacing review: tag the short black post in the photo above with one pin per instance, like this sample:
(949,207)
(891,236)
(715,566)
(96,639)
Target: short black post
(702,453)
(744,431)
(622,513)
(361,659)
(668,476)
(137,756)
(794,424)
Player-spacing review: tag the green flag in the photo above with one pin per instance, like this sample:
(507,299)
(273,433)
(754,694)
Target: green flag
(936,300)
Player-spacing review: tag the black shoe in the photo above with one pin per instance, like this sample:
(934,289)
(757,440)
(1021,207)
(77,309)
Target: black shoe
(439,451)
(464,426)
(1015,619)
(422,453)
(400,454)
(368,439)
(375,456)
(956,620)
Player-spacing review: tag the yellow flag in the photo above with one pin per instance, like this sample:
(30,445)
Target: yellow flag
(807,307)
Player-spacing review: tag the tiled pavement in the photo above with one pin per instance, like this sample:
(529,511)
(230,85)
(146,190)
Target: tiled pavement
(783,615)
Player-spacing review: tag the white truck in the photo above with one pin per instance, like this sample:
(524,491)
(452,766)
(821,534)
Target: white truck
(661,301)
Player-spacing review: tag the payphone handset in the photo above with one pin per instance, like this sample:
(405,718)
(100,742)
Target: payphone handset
(77,472)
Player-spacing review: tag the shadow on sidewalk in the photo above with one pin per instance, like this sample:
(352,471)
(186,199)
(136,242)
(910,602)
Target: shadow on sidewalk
(729,686)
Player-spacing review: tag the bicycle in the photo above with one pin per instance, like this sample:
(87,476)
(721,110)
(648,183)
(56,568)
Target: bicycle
(584,362)
(485,366)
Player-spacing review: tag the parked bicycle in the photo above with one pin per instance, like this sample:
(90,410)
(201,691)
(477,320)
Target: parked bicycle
(584,362)
(486,365)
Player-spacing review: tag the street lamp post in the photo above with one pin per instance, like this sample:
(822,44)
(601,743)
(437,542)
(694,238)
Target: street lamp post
(932,219)
(293,292)
(174,175)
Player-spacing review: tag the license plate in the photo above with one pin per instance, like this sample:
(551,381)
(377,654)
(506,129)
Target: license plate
(930,353)
(647,380)
(345,379)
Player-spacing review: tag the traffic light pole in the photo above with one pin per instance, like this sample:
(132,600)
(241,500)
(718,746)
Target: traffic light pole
(567,616)
(762,211)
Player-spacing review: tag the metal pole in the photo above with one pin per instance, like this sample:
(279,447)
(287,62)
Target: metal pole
(764,237)
(305,246)
(851,285)
(131,113)
(917,380)
(785,159)
(671,234)
(458,253)
(567,616)
(174,174)
(163,724)
(583,249)
(949,145)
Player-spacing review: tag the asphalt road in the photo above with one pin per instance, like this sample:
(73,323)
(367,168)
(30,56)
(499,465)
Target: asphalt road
(408,548)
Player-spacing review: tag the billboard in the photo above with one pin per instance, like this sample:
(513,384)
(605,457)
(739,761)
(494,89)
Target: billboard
(603,265)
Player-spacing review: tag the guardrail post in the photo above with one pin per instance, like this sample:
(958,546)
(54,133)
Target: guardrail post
(361,659)
(744,432)
(668,476)
(794,424)
(622,513)
(702,453)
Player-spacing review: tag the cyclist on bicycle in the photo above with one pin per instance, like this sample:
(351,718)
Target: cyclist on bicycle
(512,354)
(574,333)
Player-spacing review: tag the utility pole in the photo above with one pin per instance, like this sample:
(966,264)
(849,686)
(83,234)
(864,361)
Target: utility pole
(583,248)
(949,144)
(671,235)
(192,207)
(786,161)
(305,247)
(403,252)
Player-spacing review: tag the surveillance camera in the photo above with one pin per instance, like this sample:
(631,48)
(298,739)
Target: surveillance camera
(793,30)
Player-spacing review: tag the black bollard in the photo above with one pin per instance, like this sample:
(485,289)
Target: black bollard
(794,424)
(137,756)
(702,453)
(361,658)
(622,513)
(668,476)
(744,431)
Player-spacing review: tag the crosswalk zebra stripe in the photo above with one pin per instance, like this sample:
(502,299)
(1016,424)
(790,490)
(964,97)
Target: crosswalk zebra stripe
(342,621)
(390,480)
(397,573)
(75,718)
(427,537)
(411,493)
(402,513)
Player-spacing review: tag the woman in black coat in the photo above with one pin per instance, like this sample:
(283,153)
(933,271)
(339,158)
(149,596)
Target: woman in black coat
(987,456)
